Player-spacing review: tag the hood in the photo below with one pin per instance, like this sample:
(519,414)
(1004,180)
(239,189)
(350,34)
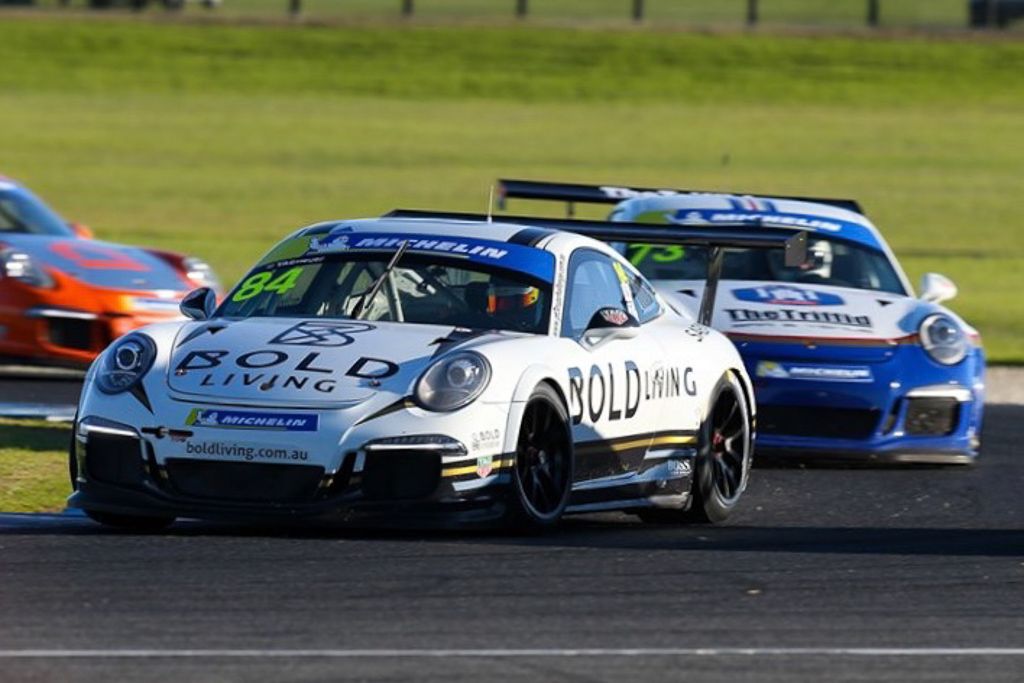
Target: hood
(777,309)
(308,362)
(100,264)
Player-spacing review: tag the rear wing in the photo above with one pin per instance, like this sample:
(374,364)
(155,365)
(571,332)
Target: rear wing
(572,194)
(716,238)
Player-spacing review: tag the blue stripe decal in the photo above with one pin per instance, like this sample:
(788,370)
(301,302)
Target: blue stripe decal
(537,263)
(855,232)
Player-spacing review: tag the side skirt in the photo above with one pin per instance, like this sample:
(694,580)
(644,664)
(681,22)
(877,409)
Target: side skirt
(664,480)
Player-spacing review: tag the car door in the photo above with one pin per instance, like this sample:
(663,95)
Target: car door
(616,388)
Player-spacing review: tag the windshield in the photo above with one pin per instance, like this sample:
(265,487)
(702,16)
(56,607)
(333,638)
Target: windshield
(830,262)
(419,289)
(22,212)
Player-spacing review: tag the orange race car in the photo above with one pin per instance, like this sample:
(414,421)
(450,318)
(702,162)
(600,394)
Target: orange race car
(65,296)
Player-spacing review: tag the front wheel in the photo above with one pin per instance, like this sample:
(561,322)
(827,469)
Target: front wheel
(542,476)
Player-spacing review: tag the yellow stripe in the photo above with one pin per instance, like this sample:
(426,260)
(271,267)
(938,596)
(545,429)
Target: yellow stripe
(637,443)
(471,469)
(669,440)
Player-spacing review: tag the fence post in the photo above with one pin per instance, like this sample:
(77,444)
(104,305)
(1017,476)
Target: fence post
(294,8)
(752,17)
(874,13)
(638,10)
(522,8)
(407,8)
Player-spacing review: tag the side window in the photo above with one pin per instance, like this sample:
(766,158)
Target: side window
(647,306)
(593,284)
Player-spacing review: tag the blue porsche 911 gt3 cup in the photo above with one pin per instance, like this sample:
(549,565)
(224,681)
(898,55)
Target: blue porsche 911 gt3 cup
(846,360)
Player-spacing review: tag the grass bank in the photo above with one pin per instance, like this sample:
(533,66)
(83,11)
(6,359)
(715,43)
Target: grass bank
(216,139)
(33,466)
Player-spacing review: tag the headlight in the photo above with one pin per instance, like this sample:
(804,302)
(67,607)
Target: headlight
(943,339)
(125,363)
(453,382)
(18,265)
(200,272)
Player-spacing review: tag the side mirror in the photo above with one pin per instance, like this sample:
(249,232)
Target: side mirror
(82,231)
(937,288)
(610,323)
(199,304)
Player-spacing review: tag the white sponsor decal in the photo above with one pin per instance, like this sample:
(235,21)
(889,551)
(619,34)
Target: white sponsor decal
(746,316)
(774,370)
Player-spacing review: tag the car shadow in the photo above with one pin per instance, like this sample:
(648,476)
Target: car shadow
(614,532)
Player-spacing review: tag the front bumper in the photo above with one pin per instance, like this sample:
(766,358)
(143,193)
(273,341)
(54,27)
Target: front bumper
(118,472)
(904,409)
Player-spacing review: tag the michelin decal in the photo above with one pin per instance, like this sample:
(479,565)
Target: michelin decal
(248,419)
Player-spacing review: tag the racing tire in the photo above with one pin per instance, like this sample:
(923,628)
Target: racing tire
(722,467)
(543,466)
(144,525)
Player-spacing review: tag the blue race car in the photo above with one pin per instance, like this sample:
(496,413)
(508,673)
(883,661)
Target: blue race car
(845,359)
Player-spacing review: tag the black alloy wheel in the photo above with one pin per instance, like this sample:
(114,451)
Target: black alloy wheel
(727,445)
(722,466)
(542,477)
(723,463)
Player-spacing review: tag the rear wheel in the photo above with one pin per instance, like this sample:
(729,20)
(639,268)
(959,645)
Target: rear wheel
(723,460)
(542,476)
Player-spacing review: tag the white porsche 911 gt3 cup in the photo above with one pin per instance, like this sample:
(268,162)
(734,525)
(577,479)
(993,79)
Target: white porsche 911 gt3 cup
(424,370)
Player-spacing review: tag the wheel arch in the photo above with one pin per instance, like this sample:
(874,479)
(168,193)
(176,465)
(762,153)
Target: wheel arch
(748,391)
(532,377)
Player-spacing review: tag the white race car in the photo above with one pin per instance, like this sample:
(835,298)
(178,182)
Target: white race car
(424,370)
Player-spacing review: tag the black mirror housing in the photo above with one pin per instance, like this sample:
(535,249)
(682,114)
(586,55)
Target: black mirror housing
(199,304)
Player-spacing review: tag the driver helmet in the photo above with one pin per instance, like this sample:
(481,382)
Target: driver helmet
(818,263)
(512,299)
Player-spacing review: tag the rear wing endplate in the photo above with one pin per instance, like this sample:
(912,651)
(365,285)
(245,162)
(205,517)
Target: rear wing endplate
(573,193)
(716,238)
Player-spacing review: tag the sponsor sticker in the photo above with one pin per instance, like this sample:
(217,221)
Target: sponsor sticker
(614,316)
(787,295)
(536,262)
(221,450)
(487,438)
(320,333)
(484,465)
(821,373)
(742,317)
(678,468)
(796,220)
(250,419)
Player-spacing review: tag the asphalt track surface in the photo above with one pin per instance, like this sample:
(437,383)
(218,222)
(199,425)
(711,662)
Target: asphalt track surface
(827,573)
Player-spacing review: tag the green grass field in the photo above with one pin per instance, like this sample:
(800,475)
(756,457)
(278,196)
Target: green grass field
(33,466)
(217,139)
